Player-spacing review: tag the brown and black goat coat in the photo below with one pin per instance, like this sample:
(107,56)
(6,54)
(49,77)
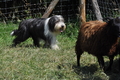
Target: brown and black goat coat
(99,39)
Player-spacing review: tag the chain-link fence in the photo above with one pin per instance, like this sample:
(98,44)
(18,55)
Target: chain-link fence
(108,8)
(21,9)
(15,10)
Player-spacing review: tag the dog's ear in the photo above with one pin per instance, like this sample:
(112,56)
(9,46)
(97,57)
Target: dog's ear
(51,23)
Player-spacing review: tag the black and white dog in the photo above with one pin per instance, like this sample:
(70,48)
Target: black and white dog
(40,28)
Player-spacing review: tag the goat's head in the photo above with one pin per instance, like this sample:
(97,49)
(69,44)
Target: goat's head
(114,23)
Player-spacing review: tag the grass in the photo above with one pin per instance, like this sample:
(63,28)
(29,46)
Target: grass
(26,62)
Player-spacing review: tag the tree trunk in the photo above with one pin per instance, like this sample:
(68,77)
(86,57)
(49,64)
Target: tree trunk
(50,8)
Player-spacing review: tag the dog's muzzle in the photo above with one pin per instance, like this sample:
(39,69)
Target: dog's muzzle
(60,27)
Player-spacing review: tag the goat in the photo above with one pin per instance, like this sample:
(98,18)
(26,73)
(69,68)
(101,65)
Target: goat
(99,39)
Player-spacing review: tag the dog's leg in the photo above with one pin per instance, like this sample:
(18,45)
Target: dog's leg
(53,43)
(15,42)
(36,41)
(46,45)
(54,46)
(21,35)
(18,40)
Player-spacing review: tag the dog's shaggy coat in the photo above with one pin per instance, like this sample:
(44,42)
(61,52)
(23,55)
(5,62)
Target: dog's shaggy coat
(40,28)
(99,39)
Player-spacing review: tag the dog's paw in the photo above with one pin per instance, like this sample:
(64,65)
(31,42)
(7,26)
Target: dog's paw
(55,47)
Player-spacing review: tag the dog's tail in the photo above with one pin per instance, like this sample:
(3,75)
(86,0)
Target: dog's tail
(19,32)
(14,33)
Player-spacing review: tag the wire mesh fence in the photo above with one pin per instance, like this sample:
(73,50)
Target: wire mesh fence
(20,9)
(67,8)
(15,10)
(108,8)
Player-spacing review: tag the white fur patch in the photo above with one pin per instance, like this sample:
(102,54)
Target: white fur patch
(47,33)
(55,47)
(12,33)
(59,24)
(46,27)
(52,35)
(60,17)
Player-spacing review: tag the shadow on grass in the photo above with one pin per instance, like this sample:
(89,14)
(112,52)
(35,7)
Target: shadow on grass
(89,72)
(21,45)
(85,70)
(114,74)
(28,45)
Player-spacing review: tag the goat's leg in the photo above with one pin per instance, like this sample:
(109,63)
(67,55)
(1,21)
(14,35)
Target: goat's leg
(101,62)
(78,60)
(119,63)
(78,53)
(111,62)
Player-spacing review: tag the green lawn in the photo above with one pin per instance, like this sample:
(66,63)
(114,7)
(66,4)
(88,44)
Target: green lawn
(26,62)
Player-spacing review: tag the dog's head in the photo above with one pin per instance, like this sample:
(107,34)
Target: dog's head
(56,24)
(115,25)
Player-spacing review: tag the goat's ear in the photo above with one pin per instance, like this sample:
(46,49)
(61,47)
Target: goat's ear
(108,19)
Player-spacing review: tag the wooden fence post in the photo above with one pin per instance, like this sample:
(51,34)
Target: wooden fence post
(50,8)
(82,11)
(97,10)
